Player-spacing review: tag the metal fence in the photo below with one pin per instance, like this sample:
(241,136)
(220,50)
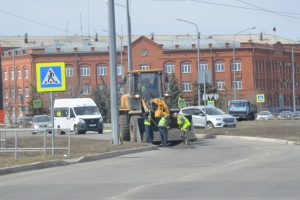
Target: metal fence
(14,132)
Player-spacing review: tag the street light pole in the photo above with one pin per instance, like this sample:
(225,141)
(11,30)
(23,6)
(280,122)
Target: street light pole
(293,78)
(234,67)
(198,57)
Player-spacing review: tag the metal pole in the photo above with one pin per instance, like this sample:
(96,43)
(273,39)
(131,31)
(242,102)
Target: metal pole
(113,74)
(52,123)
(129,38)
(204,91)
(234,66)
(293,78)
(15,86)
(198,55)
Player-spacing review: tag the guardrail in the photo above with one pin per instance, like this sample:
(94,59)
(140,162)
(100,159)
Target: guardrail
(16,149)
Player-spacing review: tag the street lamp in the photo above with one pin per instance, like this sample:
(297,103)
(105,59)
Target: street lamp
(293,78)
(234,67)
(198,55)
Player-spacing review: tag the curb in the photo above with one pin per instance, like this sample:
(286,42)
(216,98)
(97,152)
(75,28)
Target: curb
(57,163)
(277,141)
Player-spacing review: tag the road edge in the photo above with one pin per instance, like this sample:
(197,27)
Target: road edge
(57,163)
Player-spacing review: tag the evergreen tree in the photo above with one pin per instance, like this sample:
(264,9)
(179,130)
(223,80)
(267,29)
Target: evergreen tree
(102,100)
(175,92)
(34,95)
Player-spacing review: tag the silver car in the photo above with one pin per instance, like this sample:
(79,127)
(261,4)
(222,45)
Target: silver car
(264,115)
(215,117)
(41,122)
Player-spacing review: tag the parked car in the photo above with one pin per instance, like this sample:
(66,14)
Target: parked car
(285,115)
(296,115)
(264,115)
(215,117)
(41,122)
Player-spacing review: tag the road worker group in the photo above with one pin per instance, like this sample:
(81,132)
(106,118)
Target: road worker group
(163,126)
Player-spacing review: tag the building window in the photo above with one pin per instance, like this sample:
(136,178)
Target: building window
(238,85)
(13,112)
(20,111)
(69,71)
(6,93)
(169,68)
(100,87)
(167,85)
(86,89)
(101,71)
(12,75)
(203,66)
(186,87)
(119,70)
(220,85)
(219,67)
(19,91)
(237,66)
(5,75)
(26,92)
(188,103)
(25,73)
(19,74)
(144,67)
(185,68)
(85,71)
(12,93)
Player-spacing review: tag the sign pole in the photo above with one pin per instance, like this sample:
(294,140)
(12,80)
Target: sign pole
(204,91)
(52,123)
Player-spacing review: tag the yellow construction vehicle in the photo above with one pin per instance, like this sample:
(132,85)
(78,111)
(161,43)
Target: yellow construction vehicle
(146,91)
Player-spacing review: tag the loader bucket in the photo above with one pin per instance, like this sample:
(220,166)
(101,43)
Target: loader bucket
(174,134)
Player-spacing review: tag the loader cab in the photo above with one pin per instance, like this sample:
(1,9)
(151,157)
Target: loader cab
(147,84)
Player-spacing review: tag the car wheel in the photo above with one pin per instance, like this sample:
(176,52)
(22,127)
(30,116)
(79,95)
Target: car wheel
(209,125)
(100,131)
(76,130)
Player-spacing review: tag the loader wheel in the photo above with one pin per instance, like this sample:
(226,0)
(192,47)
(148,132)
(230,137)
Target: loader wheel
(124,128)
(134,128)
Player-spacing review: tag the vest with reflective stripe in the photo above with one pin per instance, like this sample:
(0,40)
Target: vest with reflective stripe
(163,122)
(186,123)
(148,120)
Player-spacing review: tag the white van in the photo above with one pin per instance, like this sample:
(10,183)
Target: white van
(78,114)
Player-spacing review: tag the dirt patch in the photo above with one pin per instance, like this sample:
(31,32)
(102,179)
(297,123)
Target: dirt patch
(79,147)
(277,129)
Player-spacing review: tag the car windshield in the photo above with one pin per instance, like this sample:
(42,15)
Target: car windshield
(237,104)
(42,119)
(214,111)
(264,113)
(92,110)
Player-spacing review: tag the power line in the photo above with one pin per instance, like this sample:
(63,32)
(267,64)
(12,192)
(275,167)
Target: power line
(35,22)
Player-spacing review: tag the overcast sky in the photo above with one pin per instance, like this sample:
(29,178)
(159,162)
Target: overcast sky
(213,17)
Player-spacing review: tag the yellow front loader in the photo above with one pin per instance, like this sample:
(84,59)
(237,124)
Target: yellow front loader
(145,91)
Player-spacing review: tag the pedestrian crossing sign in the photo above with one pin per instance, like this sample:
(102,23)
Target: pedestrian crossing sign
(260,98)
(211,103)
(181,103)
(51,77)
(37,103)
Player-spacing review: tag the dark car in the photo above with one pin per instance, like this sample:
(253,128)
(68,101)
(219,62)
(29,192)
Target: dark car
(286,115)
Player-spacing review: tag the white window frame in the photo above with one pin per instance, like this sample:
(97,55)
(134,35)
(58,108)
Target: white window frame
(186,86)
(86,89)
(19,73)
(144,67)
(20,111)
(203,66)
(239,84)
(220,85)
(5,75)
(185,68)
(26,92)
(219,67)
(19,92)
(238,66)
(25,73)
(188,103)
(101,70)
(167,85)
(85,71)
(6,94)
(119,70)
(12,93)
(69,71)
(13,112)
(100,86)
(12,75)
(169,68)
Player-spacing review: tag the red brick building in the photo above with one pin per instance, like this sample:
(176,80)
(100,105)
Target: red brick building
(260,69)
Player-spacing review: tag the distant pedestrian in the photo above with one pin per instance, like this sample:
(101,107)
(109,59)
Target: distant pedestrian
(148,123)
(184,125)
(163,127)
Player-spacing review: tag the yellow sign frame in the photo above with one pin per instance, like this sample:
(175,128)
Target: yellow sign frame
(260,101)
(40,66)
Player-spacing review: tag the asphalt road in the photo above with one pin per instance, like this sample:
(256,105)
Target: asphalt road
(214,169)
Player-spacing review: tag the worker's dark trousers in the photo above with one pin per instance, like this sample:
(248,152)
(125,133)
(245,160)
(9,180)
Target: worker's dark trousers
(164,136)
(149,133)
